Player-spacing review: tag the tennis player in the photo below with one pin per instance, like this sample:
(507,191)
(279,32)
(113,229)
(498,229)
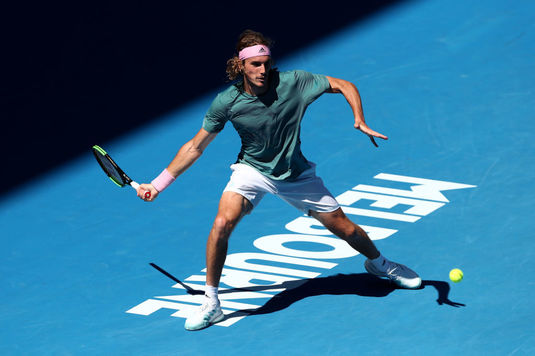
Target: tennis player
(266,107)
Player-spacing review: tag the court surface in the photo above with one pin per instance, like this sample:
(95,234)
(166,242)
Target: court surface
(451,83)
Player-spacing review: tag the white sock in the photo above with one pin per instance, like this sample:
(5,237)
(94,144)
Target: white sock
(211,292)
(381,263)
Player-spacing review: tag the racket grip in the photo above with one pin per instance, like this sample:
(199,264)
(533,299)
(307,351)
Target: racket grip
(135,185)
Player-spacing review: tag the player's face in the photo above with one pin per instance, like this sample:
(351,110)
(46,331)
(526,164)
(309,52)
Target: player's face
(256,72)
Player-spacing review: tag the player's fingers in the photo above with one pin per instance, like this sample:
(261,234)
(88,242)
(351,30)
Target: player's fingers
(380,136)
(365,129)
(372,133)
(149,193)
(143,192)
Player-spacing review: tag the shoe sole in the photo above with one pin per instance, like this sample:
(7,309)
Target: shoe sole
(216,320)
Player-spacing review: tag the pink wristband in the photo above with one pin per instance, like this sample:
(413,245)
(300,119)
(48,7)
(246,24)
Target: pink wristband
(163,180)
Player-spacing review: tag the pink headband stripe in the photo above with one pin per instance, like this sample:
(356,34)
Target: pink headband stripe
(254,51)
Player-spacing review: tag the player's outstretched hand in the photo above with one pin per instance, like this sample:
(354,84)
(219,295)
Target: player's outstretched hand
(371,134)
(143,189)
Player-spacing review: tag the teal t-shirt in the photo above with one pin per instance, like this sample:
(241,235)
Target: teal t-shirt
(269,125)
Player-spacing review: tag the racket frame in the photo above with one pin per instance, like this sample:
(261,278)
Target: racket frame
(126,180)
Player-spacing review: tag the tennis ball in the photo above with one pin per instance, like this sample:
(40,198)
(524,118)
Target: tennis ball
(456,275)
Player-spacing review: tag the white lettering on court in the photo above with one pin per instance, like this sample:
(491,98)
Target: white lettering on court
(279,263)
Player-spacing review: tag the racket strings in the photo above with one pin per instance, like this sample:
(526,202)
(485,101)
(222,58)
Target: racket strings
(110,169)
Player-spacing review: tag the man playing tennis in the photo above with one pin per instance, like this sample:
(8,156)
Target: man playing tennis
(266,108)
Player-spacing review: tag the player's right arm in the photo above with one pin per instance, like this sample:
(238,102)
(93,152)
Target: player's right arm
(190,152)
(185,157)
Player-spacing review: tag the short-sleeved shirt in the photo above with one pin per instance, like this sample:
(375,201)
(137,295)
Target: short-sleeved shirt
(269,125)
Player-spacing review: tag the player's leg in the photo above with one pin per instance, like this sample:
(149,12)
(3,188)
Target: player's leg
(232,207)
(244,190)
(308,193)
(338,223)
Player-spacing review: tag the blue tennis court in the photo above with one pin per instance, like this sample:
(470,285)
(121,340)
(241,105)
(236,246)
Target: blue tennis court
(451,83)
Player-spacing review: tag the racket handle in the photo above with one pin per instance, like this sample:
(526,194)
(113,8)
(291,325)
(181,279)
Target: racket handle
(135,185)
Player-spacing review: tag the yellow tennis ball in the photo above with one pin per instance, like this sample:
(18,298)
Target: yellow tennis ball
(456,275)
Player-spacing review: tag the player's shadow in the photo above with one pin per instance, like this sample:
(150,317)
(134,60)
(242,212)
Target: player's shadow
(362,284)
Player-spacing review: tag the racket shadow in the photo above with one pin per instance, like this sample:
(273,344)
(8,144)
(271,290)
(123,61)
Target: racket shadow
(361,284)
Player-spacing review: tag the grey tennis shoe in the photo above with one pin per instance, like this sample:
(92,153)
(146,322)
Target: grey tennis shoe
(401,275)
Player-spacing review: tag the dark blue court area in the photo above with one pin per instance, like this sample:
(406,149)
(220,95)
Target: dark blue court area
(452,84)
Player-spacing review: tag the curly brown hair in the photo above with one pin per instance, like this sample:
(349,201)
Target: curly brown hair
(246,39)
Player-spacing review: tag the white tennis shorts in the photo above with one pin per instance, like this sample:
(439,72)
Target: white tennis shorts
(306,193)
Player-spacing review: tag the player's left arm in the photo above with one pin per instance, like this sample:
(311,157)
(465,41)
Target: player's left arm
(351,93)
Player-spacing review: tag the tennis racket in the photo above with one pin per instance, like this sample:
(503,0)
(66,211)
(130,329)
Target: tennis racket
(112,170)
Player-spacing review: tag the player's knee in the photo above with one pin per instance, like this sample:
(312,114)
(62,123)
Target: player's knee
(223,226)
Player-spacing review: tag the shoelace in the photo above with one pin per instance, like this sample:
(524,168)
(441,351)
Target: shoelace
(204,307)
